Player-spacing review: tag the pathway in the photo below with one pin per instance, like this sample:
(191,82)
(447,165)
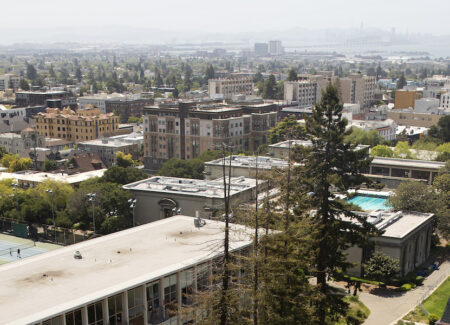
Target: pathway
(386,309)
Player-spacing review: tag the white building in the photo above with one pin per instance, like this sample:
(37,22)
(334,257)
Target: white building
(307,91)
(426,105)
(8,81)
(227,88)
(143,275)
(275,48)
(160,197)
(386,129)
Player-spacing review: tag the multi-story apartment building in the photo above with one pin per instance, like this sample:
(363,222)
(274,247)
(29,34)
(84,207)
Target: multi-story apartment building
(87,124)
(127,107)
(119,104)
(107,149)
(307,91)
(261,49)
(275,48)
(16,143)
(34,98)
(358,89)
(226,88)
(188,130)
(8,81)
(406,99)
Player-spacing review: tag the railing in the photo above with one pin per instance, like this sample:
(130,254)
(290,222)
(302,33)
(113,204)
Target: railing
(432,288)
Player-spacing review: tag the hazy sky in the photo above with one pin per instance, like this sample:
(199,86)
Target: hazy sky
(232,15)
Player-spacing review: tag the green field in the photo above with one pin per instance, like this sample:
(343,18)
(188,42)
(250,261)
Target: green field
(436,303)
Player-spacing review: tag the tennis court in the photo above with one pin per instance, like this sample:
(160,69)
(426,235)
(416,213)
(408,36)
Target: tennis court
(9,246)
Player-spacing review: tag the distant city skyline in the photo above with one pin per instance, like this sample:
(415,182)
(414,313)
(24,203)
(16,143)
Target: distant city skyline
(232,16)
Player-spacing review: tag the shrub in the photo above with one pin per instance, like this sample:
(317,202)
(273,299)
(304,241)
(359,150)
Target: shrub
(419,280)
(432,319)
(405,287)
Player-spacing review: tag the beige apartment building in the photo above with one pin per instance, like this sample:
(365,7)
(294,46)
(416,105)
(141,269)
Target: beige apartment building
(186,131)
(82,125)
(358,89)
(227,87)
(307,91)
(406,99)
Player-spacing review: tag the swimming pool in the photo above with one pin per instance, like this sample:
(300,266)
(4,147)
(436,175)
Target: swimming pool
(370,203)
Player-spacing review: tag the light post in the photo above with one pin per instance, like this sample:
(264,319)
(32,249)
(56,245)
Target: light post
(49,191)
(132,206)
(91,197)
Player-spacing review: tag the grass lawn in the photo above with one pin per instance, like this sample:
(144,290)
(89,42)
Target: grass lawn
(357,310)
(436,302)
(416,315)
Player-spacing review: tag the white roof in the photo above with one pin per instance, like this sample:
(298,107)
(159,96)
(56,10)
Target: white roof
(412,163)
(250,162)
(147,253)
(192,187)
(40,177)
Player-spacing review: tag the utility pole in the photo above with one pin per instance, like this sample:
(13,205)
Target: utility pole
(91,197)
(49,191)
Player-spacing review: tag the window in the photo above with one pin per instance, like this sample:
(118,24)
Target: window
(187,286)
(74,317)
(95,314)
(170,294)
(58,320)
(135,303)
(153,306)
(115,309)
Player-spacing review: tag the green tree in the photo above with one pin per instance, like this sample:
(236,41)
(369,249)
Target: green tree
(382,151)
(401,82)
(31,72)
(288,128)
(413,196)
(381,267)
(7,159)
(24,85)
(135,119)
(360,136)
(122,176)
(49,165)
(209,73)
(270,88)
(78,74)
(123,160)
(441,184)
(444,128)
(402,150)
(292,75)
(2,152)
(192,168)
(20,164)
(332,163)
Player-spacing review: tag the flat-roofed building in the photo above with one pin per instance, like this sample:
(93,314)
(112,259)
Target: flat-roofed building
(406,168)
(143,275)
(358,89)
(406,237)
(34,98)
(84,124)
(31,179)
(191,128)
(406,99)
(242,166)
(160,197)
(282,149)
(228,87)
(9,81)
(107,149)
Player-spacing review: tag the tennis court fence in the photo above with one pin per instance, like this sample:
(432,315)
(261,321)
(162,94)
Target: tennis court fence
(42,232)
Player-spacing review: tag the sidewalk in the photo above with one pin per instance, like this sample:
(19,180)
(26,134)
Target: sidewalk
(386,309)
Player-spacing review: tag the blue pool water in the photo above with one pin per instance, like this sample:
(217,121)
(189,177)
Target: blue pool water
(369,203)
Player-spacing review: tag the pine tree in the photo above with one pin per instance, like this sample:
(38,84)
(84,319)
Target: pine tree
(270,88)
(331,165)
(292,76)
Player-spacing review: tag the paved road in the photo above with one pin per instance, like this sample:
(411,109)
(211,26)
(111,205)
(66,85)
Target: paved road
(385,310)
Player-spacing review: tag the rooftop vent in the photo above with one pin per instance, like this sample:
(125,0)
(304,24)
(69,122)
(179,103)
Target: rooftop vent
(77,255)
